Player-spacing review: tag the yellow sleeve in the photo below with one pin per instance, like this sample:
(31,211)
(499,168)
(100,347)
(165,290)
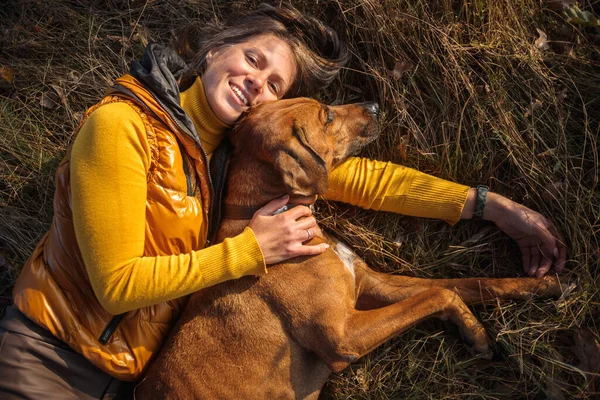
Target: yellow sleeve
(385,186)
(109,162)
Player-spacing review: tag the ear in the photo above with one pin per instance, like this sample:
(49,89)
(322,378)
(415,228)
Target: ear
(209,57)
(302,169)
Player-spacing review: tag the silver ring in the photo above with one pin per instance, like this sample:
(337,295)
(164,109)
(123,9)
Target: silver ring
(308,234)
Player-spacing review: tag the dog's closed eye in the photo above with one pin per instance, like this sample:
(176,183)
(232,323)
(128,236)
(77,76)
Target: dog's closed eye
(330,116)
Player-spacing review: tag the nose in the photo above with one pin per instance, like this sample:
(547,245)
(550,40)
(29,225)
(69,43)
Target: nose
(255,83)
(372,108)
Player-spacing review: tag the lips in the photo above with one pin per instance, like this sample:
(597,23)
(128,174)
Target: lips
(238,92)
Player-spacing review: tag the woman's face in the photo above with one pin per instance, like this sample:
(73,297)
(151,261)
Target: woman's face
(245,74)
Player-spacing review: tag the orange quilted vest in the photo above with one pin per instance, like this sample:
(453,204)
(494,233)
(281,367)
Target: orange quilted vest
(53,288)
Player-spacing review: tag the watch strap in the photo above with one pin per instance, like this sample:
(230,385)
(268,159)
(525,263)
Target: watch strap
(480,200)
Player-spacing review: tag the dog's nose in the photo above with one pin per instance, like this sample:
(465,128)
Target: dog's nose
(372,107)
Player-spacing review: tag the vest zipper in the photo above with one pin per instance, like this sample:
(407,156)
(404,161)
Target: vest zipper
(110,328)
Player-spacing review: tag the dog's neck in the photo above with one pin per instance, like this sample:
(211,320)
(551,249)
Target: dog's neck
(251,185)
(238,212)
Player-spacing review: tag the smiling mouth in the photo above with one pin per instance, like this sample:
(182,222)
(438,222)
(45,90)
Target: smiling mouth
(240,95)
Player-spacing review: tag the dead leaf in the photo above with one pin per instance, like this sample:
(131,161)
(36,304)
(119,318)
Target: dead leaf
(142,35)
(73,76)
(549,152)
(587,350)
(557,167)
(562,95)
(353,88)
(577,16)
(404,140)
(7,74)
(559,5)
(553,190)
(541,42)
(399,241)
(49,100)
(535,105)
(60,92)
(400,68)
(115,38)
(78,116)
(359,376)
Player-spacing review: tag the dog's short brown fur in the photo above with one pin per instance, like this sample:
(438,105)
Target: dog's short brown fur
(281,335)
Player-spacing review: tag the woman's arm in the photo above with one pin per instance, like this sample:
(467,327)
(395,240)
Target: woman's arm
(109,162)
(385,186)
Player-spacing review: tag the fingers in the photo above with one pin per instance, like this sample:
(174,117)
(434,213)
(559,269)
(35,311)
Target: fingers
(553,251)
(307,223)
(273,205)
(560,251)
(298,212)
(545,264)
(306,250)
(282,236)
(550,249)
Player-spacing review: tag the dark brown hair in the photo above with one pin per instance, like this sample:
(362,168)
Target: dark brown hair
(318,52)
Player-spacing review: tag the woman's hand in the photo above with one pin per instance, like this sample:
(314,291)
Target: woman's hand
(281,236)
(540,243)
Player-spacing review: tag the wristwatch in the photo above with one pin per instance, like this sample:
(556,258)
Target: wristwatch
(482,192)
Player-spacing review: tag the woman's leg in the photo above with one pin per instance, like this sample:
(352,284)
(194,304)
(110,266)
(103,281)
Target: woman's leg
(36,365)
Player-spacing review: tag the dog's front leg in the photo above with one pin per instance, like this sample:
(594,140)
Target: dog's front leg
(377,290)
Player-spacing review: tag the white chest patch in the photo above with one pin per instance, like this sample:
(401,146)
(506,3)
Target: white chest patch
(347,256)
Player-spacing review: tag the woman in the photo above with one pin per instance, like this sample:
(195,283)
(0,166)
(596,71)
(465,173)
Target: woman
(136,194)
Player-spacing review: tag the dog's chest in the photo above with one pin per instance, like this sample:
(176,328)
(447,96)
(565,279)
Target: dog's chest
(346,255)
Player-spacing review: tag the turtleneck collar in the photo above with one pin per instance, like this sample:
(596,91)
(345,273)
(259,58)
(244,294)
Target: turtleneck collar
(210,128)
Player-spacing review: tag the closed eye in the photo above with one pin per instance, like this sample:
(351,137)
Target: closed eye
(274,87)
(330,116)
(252,60)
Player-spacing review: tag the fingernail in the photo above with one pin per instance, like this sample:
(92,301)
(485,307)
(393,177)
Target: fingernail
(555,252)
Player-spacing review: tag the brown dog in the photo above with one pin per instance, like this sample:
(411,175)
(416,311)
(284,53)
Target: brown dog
(281,335)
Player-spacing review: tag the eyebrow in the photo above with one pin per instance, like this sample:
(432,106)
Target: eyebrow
(262,60)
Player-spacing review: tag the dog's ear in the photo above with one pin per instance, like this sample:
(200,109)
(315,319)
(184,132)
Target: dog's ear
(241,129)
(303,170)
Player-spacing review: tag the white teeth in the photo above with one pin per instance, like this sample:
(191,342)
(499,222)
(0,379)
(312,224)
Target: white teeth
(239,94)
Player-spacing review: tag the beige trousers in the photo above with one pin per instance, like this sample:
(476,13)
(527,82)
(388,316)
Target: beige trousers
(36,365)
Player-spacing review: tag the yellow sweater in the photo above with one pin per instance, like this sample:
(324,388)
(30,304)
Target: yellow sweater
(109,163)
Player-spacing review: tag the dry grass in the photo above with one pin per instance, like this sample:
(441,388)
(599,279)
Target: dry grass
(477,100)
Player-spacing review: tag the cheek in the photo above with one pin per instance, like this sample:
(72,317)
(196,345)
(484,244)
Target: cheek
(209,81)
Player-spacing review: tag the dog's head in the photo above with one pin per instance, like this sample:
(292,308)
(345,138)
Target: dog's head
(304,139)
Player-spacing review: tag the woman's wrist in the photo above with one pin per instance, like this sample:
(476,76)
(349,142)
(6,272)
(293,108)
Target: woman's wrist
(494,205)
